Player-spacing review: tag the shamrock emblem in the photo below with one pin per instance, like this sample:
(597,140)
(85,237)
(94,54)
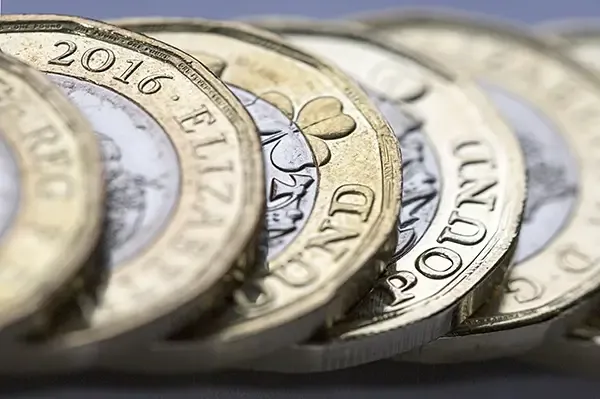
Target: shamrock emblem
(295,141)
(321,119)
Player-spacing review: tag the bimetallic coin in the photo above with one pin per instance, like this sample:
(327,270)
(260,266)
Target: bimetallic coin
(464,190)
(51,200)
(333,190)
(184,180)
(552,104)
(579,349)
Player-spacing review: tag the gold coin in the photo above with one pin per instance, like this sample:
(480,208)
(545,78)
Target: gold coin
(464,189)
(333,179)
(579,349)
(184,179)
(552,104)
(51,200)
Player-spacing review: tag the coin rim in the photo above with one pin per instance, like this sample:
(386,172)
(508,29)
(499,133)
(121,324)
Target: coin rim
(63,270)
(329,295)
(569,352)
(455,309)
(202,293)
(550,46)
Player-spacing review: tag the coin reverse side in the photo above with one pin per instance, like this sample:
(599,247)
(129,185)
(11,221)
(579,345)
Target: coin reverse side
(51,199)
(464,190)
(333,189)
(552,104)
(183,172)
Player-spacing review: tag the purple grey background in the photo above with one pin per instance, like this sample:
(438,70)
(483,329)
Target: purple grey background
(502,379)
(519,10)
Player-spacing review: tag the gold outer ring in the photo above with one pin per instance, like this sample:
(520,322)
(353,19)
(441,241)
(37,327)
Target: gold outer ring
(547,294)
(428,313)
(183,272)
(60,210)
(295,309)
(578,350)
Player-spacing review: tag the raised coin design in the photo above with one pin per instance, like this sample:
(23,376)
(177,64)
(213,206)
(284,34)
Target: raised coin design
(51,193)
(184,180)
(552,104)
(459,219)
(291,173)
(333,193)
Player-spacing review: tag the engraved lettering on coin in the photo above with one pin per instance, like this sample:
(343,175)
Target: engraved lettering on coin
(140,163)
(9,188)
(421,187)
(551,172)
(292,177)
(420,199)
(294,145)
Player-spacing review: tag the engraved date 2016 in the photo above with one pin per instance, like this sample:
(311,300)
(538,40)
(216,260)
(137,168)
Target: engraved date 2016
(101,59)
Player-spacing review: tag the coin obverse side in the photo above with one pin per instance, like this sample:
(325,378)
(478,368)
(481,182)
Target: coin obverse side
(51,201)
(183,172)
(464,190)
(333,191)
(579,349)
(552,104)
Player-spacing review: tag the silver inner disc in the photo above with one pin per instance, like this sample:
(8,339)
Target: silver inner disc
(292,178)
(140,166)
(552,177)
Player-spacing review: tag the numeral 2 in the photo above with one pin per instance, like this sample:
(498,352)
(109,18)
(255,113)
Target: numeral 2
(148,85)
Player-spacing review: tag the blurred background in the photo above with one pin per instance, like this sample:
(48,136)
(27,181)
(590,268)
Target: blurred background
(528,11)
(506,379)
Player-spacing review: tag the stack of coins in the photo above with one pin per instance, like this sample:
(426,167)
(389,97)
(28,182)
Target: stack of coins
(294,196)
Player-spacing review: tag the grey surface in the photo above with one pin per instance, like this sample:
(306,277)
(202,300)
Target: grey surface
(506,380)
(502,379)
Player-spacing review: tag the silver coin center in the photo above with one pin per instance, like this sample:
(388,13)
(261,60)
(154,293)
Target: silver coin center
(140,165)
(552,177)
(10,188)
(292,178)
(420,173)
